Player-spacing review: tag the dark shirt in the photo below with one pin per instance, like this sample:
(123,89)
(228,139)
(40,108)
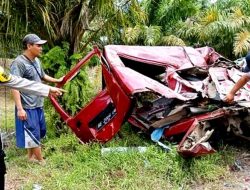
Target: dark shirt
(246,69)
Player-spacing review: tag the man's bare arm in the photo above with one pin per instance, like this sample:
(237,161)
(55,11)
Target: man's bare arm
(238,85)
(21,114)
(48,78)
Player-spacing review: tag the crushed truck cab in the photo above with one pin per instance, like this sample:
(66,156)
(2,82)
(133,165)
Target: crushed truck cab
(179,89)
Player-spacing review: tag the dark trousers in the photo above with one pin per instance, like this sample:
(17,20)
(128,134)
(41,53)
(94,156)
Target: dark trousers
(2,182)
(2,169)
(2,166)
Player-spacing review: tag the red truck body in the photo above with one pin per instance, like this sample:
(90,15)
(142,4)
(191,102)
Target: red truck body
(179,89)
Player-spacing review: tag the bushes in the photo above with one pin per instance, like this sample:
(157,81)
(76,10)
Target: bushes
(57,63)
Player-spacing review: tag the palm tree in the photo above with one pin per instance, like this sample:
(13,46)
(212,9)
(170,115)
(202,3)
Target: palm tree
(67,20)
(162,18)
(226,28)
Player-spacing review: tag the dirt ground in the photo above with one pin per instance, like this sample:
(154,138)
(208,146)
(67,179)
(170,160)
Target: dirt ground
(238,177)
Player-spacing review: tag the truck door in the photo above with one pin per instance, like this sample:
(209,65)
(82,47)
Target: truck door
(102,118)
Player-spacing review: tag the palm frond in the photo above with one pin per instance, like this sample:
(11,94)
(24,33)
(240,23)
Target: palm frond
(147,5)
(190,29)
(172,40)
(104,7)
(210,16)
(139,16)
(237,19)
(132,35)
(152,34)
(165,7)
(242,43)
(47,21)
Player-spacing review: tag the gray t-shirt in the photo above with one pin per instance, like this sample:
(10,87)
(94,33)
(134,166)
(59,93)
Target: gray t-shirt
(23,67)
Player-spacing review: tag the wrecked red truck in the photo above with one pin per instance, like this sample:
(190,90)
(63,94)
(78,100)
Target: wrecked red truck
(178,91)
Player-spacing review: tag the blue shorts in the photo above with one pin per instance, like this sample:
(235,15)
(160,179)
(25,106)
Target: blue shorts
(30,132)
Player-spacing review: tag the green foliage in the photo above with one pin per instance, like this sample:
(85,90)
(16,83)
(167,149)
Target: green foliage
(172,40)
(143,35)
(225,29)
(242,43)
(224,25)
(132,35)
(152,35)
(79,92)
(55,60)
(67,20)
(160,26)
(169,12)
(79,89)
(55,126)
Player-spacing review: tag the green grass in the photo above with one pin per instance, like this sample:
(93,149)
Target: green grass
(71,165)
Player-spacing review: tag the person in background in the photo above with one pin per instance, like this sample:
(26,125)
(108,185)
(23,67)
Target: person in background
(29,116)
(246,66)
(241,82)
(27,86)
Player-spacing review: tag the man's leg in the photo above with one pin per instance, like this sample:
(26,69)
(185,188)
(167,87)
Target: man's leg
(37,152)
(32,135)
(30,154)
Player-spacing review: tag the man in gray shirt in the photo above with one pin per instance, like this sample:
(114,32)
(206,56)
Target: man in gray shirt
(26,86)
(30,120)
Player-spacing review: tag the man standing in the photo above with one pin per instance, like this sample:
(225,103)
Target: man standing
(25,86)
(30,120)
